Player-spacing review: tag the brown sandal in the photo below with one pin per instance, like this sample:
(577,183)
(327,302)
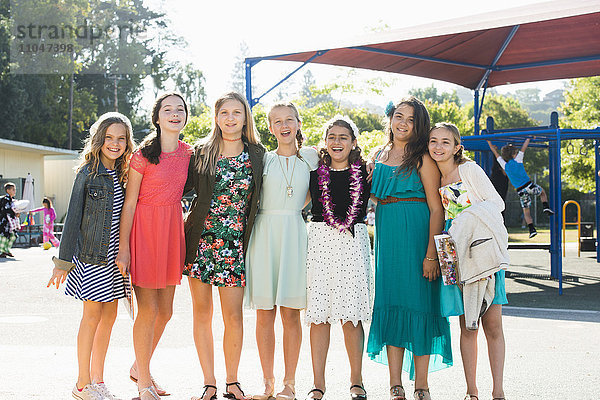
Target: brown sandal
(422,394)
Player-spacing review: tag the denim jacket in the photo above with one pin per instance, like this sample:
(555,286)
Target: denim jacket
(86,232)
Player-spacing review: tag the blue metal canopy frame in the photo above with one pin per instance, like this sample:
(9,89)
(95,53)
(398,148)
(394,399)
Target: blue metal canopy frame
(550,137)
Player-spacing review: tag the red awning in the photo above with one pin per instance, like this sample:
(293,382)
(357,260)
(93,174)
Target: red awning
(543,41)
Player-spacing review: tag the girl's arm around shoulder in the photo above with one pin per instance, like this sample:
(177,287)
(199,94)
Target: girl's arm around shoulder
(310,155)
(478,182)
(192,173)
(430,176)
(134,182)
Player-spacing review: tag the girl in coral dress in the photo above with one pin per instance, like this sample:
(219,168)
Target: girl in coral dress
(152,243)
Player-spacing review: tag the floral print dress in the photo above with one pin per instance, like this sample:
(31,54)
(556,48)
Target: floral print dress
(220,258)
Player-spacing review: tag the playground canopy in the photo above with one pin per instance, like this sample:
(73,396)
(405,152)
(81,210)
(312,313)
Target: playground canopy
(552,40)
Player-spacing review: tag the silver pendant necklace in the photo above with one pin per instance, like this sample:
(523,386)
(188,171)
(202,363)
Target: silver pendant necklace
(289,188)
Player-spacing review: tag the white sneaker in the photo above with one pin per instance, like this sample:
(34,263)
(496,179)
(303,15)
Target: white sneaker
(87,393)
(104,392)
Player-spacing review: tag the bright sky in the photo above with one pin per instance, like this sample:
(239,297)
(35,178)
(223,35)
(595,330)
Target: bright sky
(215,29)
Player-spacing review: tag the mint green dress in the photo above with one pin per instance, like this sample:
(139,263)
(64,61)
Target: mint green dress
(455,199)
(276,256)
(406,311)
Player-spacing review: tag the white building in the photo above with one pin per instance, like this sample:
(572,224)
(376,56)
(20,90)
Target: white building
(51,169)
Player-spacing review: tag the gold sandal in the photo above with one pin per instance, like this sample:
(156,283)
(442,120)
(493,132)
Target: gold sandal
(269,390)
(291,385)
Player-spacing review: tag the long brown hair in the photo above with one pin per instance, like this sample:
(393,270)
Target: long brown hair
(417,143)
(94,142)
(211,145)
(150,147)
(347,123)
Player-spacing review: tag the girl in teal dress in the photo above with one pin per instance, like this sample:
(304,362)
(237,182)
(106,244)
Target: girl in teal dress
(407,329)
(463,183)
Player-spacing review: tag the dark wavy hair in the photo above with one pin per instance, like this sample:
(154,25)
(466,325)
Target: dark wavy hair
(355,154)
(150,147)
(417,143)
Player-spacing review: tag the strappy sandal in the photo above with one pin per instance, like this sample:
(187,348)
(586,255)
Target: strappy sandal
(422,394)
(160,391)
(314,391)
(151,391)
(229,395)
(269,390)
(358,396)
(472,397)
(397,393)
(206,387)
(291,384)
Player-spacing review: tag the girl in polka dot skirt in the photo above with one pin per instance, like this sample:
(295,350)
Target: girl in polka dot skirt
(338,260)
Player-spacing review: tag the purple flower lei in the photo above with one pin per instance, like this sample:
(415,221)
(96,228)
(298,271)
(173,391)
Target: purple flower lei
(356,188)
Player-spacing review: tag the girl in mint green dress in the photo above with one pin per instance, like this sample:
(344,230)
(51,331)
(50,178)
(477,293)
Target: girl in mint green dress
(407,330)
(464,183)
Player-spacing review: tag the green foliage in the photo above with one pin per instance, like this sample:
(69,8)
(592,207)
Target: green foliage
(109,75)
(431,94)
(581,110)
(190,83)
(198,126)
(448,111)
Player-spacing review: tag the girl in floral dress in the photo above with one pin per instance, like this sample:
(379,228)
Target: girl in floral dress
(226,173)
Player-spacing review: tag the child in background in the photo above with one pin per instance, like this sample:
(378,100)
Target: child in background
(49,217)
(511,161)
(7,230)
(86,258)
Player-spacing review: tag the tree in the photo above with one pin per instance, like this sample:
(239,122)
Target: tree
(238,74)
(581,109)
(190,83)
(431,93)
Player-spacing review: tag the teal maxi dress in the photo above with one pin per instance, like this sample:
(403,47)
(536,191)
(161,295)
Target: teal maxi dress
(406,311)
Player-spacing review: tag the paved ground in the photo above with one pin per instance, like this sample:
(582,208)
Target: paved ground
(553,347)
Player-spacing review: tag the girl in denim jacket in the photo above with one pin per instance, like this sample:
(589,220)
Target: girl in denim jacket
(89,247)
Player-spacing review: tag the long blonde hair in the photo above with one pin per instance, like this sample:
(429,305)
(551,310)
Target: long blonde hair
(211,145)
(94,142)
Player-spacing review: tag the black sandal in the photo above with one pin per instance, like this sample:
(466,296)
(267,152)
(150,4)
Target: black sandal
(206,387)
(356,396)
(315,390)
(228,395)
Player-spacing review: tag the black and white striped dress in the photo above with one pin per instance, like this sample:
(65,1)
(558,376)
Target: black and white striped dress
(98,282)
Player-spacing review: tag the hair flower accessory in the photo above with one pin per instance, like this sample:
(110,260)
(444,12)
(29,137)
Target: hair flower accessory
(390,108)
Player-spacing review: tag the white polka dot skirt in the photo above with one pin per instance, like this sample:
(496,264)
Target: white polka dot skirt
(338,275)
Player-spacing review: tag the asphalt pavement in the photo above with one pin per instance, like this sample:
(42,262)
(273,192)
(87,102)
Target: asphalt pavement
(552,341)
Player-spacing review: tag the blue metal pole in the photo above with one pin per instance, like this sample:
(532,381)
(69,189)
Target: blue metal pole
(558,215)
(554,251)
(249,83)
(597,151)
(476,121)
